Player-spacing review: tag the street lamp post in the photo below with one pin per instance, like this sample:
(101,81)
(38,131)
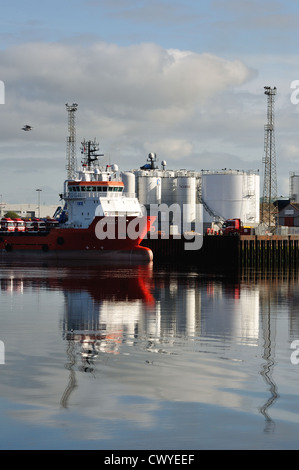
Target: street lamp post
(38,205)
(2,204)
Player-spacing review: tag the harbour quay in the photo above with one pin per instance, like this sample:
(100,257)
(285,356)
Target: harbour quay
(230,252)
(276,251)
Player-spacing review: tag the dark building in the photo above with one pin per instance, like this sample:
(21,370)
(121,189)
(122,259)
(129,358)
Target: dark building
(289,215)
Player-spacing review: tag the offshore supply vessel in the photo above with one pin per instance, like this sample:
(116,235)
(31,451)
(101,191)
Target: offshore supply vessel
(96,222)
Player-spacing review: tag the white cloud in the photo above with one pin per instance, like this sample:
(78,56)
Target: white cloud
(198,108)
(138,75)
(127,97)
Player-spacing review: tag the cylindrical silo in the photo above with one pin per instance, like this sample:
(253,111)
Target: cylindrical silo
(168,187)
(231,194)
(294,187)
(128,178)
(186,198)
(149,189)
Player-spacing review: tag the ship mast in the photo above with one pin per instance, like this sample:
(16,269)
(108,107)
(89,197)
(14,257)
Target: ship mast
(88,150)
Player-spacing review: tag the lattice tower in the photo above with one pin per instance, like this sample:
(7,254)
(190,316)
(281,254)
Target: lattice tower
(269,160)
(71,164)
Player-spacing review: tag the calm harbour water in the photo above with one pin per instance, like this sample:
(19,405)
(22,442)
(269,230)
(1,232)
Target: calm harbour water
(147,357)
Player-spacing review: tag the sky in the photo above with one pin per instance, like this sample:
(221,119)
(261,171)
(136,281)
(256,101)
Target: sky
(183,79)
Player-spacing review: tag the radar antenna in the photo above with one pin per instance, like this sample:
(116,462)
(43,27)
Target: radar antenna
(88,150)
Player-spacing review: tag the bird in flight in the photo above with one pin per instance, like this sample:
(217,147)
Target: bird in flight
(27,128)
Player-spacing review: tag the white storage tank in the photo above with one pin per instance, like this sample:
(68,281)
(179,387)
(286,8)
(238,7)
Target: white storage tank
(294,187)
(168,187)
(149,188)
(186,196)
(231,194)
(128,178)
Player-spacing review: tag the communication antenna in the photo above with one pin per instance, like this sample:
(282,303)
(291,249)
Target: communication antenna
(269,160)
(71,164)
(89,149)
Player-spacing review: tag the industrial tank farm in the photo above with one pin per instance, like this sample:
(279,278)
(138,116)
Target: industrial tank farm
(168,187)
(222,194)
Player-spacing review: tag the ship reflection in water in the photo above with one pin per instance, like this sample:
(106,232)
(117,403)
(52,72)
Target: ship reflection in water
(100,311)
(168,337)
(103,314)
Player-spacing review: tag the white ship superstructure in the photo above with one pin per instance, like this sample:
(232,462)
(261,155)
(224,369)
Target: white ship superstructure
(96,192)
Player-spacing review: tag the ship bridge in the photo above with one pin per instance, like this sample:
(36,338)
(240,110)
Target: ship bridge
(84,189)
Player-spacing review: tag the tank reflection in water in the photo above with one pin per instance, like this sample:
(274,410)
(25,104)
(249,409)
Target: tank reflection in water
(147,357)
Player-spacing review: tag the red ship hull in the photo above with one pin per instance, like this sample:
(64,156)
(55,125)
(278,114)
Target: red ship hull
(105,239)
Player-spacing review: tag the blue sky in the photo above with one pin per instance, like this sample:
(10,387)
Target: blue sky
(183,79)
(227,27)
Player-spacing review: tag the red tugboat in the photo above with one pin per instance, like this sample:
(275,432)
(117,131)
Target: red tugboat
(97,222)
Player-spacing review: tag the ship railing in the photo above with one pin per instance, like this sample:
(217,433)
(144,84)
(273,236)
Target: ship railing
(89,194)
(131,195)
